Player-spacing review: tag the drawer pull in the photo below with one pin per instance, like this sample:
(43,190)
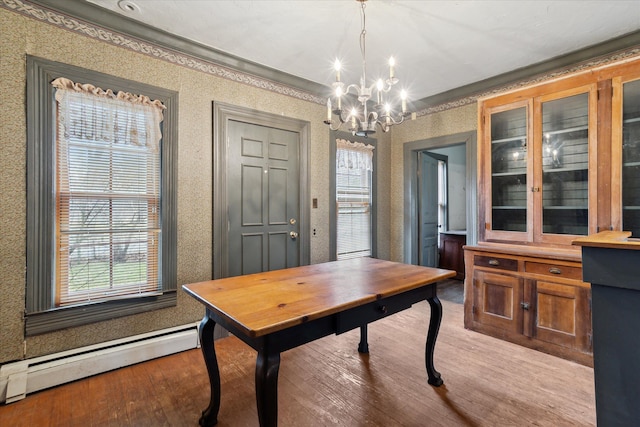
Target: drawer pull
(383,309)
(525,305)
(555,270)
(494,262)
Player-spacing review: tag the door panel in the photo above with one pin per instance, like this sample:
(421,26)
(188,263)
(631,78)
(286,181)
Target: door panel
(497,299)
(277,197)
(560,315)
(277,245)
(428,191)
(251,253)
(263,194)
(251,195)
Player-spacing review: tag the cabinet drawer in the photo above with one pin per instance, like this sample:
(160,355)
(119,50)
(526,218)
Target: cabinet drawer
(496,262)
(564,271)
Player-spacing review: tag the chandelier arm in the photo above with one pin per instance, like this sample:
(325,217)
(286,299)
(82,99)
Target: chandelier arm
(397,121)
(352,86)
(336,128)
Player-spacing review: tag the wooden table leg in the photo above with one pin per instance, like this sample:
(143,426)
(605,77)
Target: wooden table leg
(210,415)
(363,347)
(267,366)
(432,334)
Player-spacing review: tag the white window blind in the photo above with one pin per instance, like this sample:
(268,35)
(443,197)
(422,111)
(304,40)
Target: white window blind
(354,168)
(107,216)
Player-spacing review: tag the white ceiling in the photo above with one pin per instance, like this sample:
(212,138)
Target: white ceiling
(439,45)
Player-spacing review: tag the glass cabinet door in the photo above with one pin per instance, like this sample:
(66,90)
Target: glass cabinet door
(509,170)
(631,157)
(564,158)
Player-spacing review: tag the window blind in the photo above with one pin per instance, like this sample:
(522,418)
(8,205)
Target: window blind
(107,218)
(354,167)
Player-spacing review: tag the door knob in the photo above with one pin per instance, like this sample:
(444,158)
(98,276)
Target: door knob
(293,235)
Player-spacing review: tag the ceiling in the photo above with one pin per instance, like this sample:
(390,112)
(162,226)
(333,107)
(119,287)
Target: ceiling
(439,45)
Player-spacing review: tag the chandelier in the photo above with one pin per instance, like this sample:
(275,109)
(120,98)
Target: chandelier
(359,120)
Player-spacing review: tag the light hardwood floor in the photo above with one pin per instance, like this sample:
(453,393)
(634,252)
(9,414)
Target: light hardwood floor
(488,382)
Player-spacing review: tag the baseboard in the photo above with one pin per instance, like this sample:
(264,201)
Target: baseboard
(20,378)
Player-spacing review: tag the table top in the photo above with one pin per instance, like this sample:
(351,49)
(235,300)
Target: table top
(263,303)
(609,239)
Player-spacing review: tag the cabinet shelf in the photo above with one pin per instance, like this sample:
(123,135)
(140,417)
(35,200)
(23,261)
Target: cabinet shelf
(522,138)
(557,207)
(567,170)
(505,174)
(567,130)
(510,207)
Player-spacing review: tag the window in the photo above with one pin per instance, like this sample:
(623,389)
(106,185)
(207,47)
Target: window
(442,195)
(101,186)
(354,170)
(107,191)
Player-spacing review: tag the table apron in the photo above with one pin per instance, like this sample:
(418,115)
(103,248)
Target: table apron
(337,323)
(381,308)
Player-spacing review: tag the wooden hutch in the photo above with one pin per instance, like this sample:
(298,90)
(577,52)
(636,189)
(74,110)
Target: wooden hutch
(556,161)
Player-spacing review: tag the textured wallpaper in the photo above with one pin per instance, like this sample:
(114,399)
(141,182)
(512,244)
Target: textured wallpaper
(24,34)
(25,29)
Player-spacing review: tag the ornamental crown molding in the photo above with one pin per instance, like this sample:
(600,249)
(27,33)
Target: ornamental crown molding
(197,57)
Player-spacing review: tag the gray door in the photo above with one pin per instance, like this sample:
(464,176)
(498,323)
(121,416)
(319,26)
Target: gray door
(263,195)
(428,206)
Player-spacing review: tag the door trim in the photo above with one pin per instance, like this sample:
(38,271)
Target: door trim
(222,113)
(410,180)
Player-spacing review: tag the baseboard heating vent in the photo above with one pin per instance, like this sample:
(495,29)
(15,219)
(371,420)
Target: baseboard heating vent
(17,379)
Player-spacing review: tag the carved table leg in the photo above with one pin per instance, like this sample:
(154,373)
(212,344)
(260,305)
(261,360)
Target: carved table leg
(267,366)
(363,347)
(434,327)
(210,415)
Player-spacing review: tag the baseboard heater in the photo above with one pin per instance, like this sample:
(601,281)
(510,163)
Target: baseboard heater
(17,379)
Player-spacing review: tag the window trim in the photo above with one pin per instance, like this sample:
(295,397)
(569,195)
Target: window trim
(333,220)
(40,316)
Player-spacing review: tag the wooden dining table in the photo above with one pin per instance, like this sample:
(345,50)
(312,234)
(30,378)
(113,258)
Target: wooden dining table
(279,310)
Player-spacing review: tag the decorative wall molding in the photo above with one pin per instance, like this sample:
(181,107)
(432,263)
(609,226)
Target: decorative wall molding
(615,50)
(96,32)
(603,61)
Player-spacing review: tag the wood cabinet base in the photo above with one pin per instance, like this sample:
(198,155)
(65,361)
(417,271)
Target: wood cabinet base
(530,296)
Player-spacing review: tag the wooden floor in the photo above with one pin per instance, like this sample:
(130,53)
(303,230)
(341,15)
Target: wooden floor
(488,382)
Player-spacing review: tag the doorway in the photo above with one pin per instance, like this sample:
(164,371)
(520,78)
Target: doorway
(467,179)
(260,222)
(432,194)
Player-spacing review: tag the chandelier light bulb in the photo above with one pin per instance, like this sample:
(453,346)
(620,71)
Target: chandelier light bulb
(392,64)
(403,97)
(337,66)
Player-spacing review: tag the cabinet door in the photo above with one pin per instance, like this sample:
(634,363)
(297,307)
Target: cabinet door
(452,254)
(562,315)
(565,165)
(497,300)
(505,166)
(625,212)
